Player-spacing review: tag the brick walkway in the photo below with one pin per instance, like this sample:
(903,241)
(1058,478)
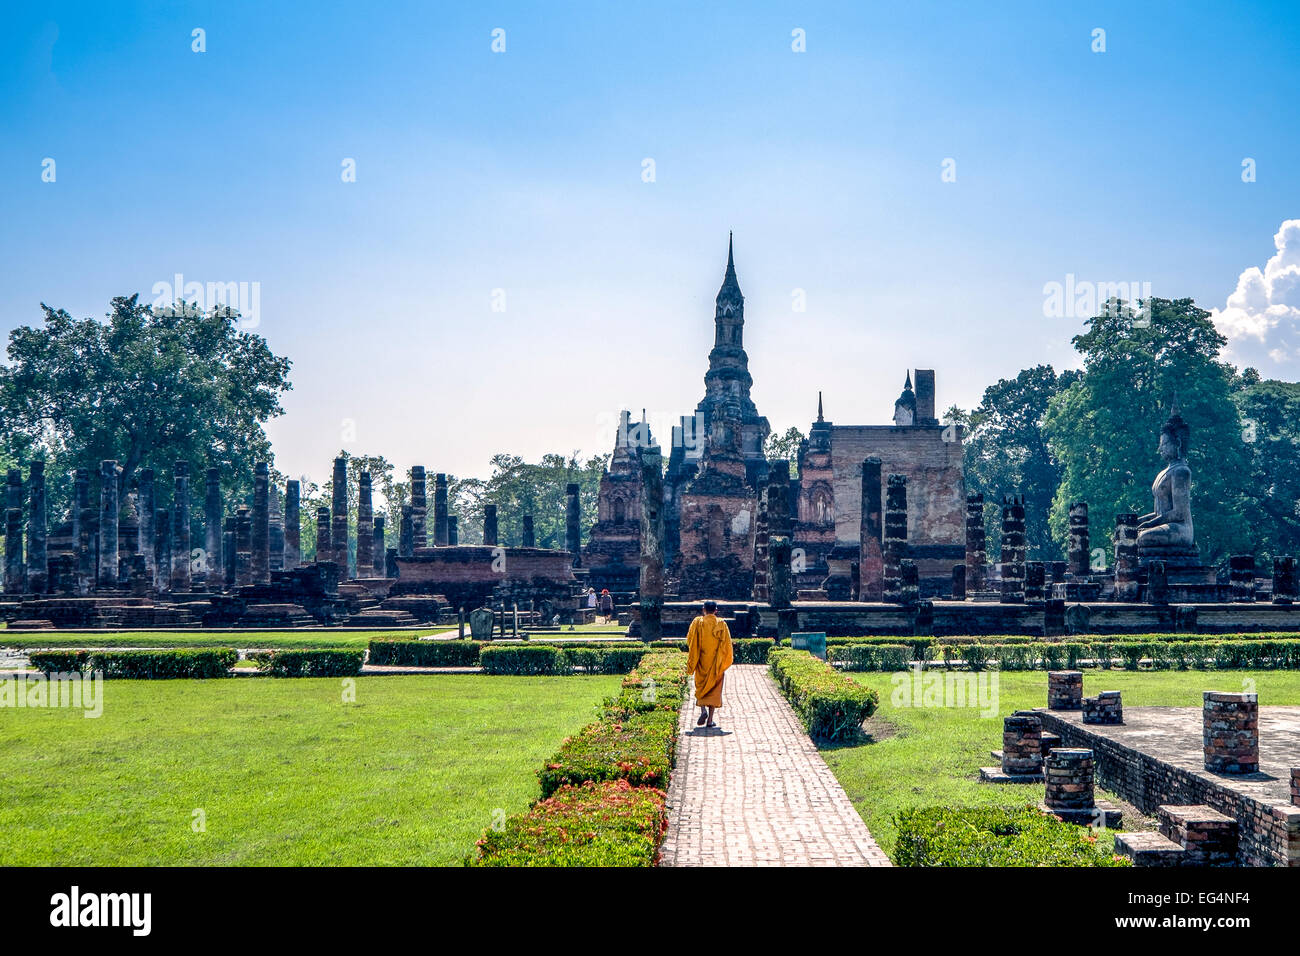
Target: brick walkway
(755,792)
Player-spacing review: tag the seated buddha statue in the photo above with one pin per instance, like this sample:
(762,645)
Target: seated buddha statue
(1167,531)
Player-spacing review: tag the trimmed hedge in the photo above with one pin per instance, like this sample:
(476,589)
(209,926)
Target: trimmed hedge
(169,664)
(309,663)
(522,659)
(597,824)
(396,653)
(831,705)
(1237,654)
(603,660)
(994,836)
(871,657)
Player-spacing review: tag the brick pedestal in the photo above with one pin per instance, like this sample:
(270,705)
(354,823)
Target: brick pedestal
(1231,734)
(1022,744)
(1105,708)
(1064,690)
(1069,781)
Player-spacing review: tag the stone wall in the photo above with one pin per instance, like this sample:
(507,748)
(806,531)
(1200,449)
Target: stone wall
(936,493)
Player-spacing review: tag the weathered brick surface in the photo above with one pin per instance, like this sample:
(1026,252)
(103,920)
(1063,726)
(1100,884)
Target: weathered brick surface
(1155,758)
(755,791)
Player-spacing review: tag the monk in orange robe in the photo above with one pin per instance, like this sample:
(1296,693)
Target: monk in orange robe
(709,643)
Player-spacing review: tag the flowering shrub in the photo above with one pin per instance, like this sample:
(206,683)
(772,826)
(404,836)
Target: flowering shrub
(597,824)
(636,736)
(603,792)
(994,836)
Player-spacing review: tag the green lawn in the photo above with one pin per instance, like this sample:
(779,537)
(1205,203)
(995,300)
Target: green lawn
(357,640)
(934,753)
(285,772)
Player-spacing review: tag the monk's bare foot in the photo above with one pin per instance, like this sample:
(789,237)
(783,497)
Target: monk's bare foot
(704,715)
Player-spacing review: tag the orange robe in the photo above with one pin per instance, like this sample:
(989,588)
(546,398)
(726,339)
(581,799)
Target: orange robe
(709,643)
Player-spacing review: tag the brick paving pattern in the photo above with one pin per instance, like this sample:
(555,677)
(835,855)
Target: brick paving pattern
(755,792)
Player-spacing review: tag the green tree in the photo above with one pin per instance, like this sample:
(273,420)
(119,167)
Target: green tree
(1270,419)
(785,445)
(144,388)
(1103,428)
(518,488)
(1006,453)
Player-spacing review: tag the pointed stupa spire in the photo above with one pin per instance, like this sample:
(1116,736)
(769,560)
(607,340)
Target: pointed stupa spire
(730,286)
(820,417)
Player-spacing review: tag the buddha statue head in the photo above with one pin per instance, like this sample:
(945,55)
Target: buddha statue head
(1174,437)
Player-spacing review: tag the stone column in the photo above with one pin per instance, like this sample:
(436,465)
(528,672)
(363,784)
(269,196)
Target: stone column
(181,529)
(38,563)
(976,545)
(339,532)
(1070,781)
(230,573)
(959,582)
(15,576)
(261,531)
(530,535)
(292,525)
(909,583)
(213,513)
(1284,580)
(871,556)
(1022,744)
(406,533)
(14,489)
(1231,732)
(490,525)
(277,530)
(243,546)
(762,562)
(651,581)
(146,533)
(1126,563)
(83,540)
(377,547)
(420,507)
(572,517)
(162,549)
(390,563)
(1064,690)
(365,527)
(1241,570)
(440,517)
(108,515)
(1080,557)
(1013,551)
(453,530)
(1035,581)
(895,542)
(324,549)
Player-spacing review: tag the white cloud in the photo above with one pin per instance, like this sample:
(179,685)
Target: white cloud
(1261,319)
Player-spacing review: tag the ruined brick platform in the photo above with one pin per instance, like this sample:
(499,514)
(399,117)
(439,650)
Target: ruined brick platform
(1156,758)
(755,791)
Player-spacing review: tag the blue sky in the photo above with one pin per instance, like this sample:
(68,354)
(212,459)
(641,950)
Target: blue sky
(522,171)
